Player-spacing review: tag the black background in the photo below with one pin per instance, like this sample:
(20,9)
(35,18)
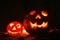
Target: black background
(12,10)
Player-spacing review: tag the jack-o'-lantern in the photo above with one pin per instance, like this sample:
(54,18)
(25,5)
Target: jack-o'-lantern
(15,28)
(36,19)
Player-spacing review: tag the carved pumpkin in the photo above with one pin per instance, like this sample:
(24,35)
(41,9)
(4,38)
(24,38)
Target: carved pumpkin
(15,28)
(36,19)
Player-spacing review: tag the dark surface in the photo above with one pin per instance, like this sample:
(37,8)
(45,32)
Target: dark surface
(47,36)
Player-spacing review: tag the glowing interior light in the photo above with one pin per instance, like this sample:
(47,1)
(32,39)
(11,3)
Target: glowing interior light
(11,24)
(35,25)
(44,25)
(25,32)
(14,28)
(18,25)
(32,12)
(44,13)
(38,16)
(39,26)
(12,32)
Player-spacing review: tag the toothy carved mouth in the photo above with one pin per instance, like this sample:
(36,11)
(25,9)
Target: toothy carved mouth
(12,32)
(35,25)
(24,32)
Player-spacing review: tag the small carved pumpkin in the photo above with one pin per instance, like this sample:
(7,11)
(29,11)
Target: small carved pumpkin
(15,28)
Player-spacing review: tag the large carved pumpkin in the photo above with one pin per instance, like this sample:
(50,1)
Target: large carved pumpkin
(15,28)
(36,19)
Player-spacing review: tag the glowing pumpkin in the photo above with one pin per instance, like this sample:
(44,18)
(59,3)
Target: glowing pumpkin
(36,19)
(16,29)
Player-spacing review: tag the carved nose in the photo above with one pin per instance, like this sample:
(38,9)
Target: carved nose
(38,16)
(14,28)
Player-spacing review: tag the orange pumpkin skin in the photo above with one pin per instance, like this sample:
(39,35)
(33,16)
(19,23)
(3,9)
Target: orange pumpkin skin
(14,28)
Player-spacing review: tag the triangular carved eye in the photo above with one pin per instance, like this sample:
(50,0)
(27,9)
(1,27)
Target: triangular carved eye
(38,16)
(44,13)
(32,12)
